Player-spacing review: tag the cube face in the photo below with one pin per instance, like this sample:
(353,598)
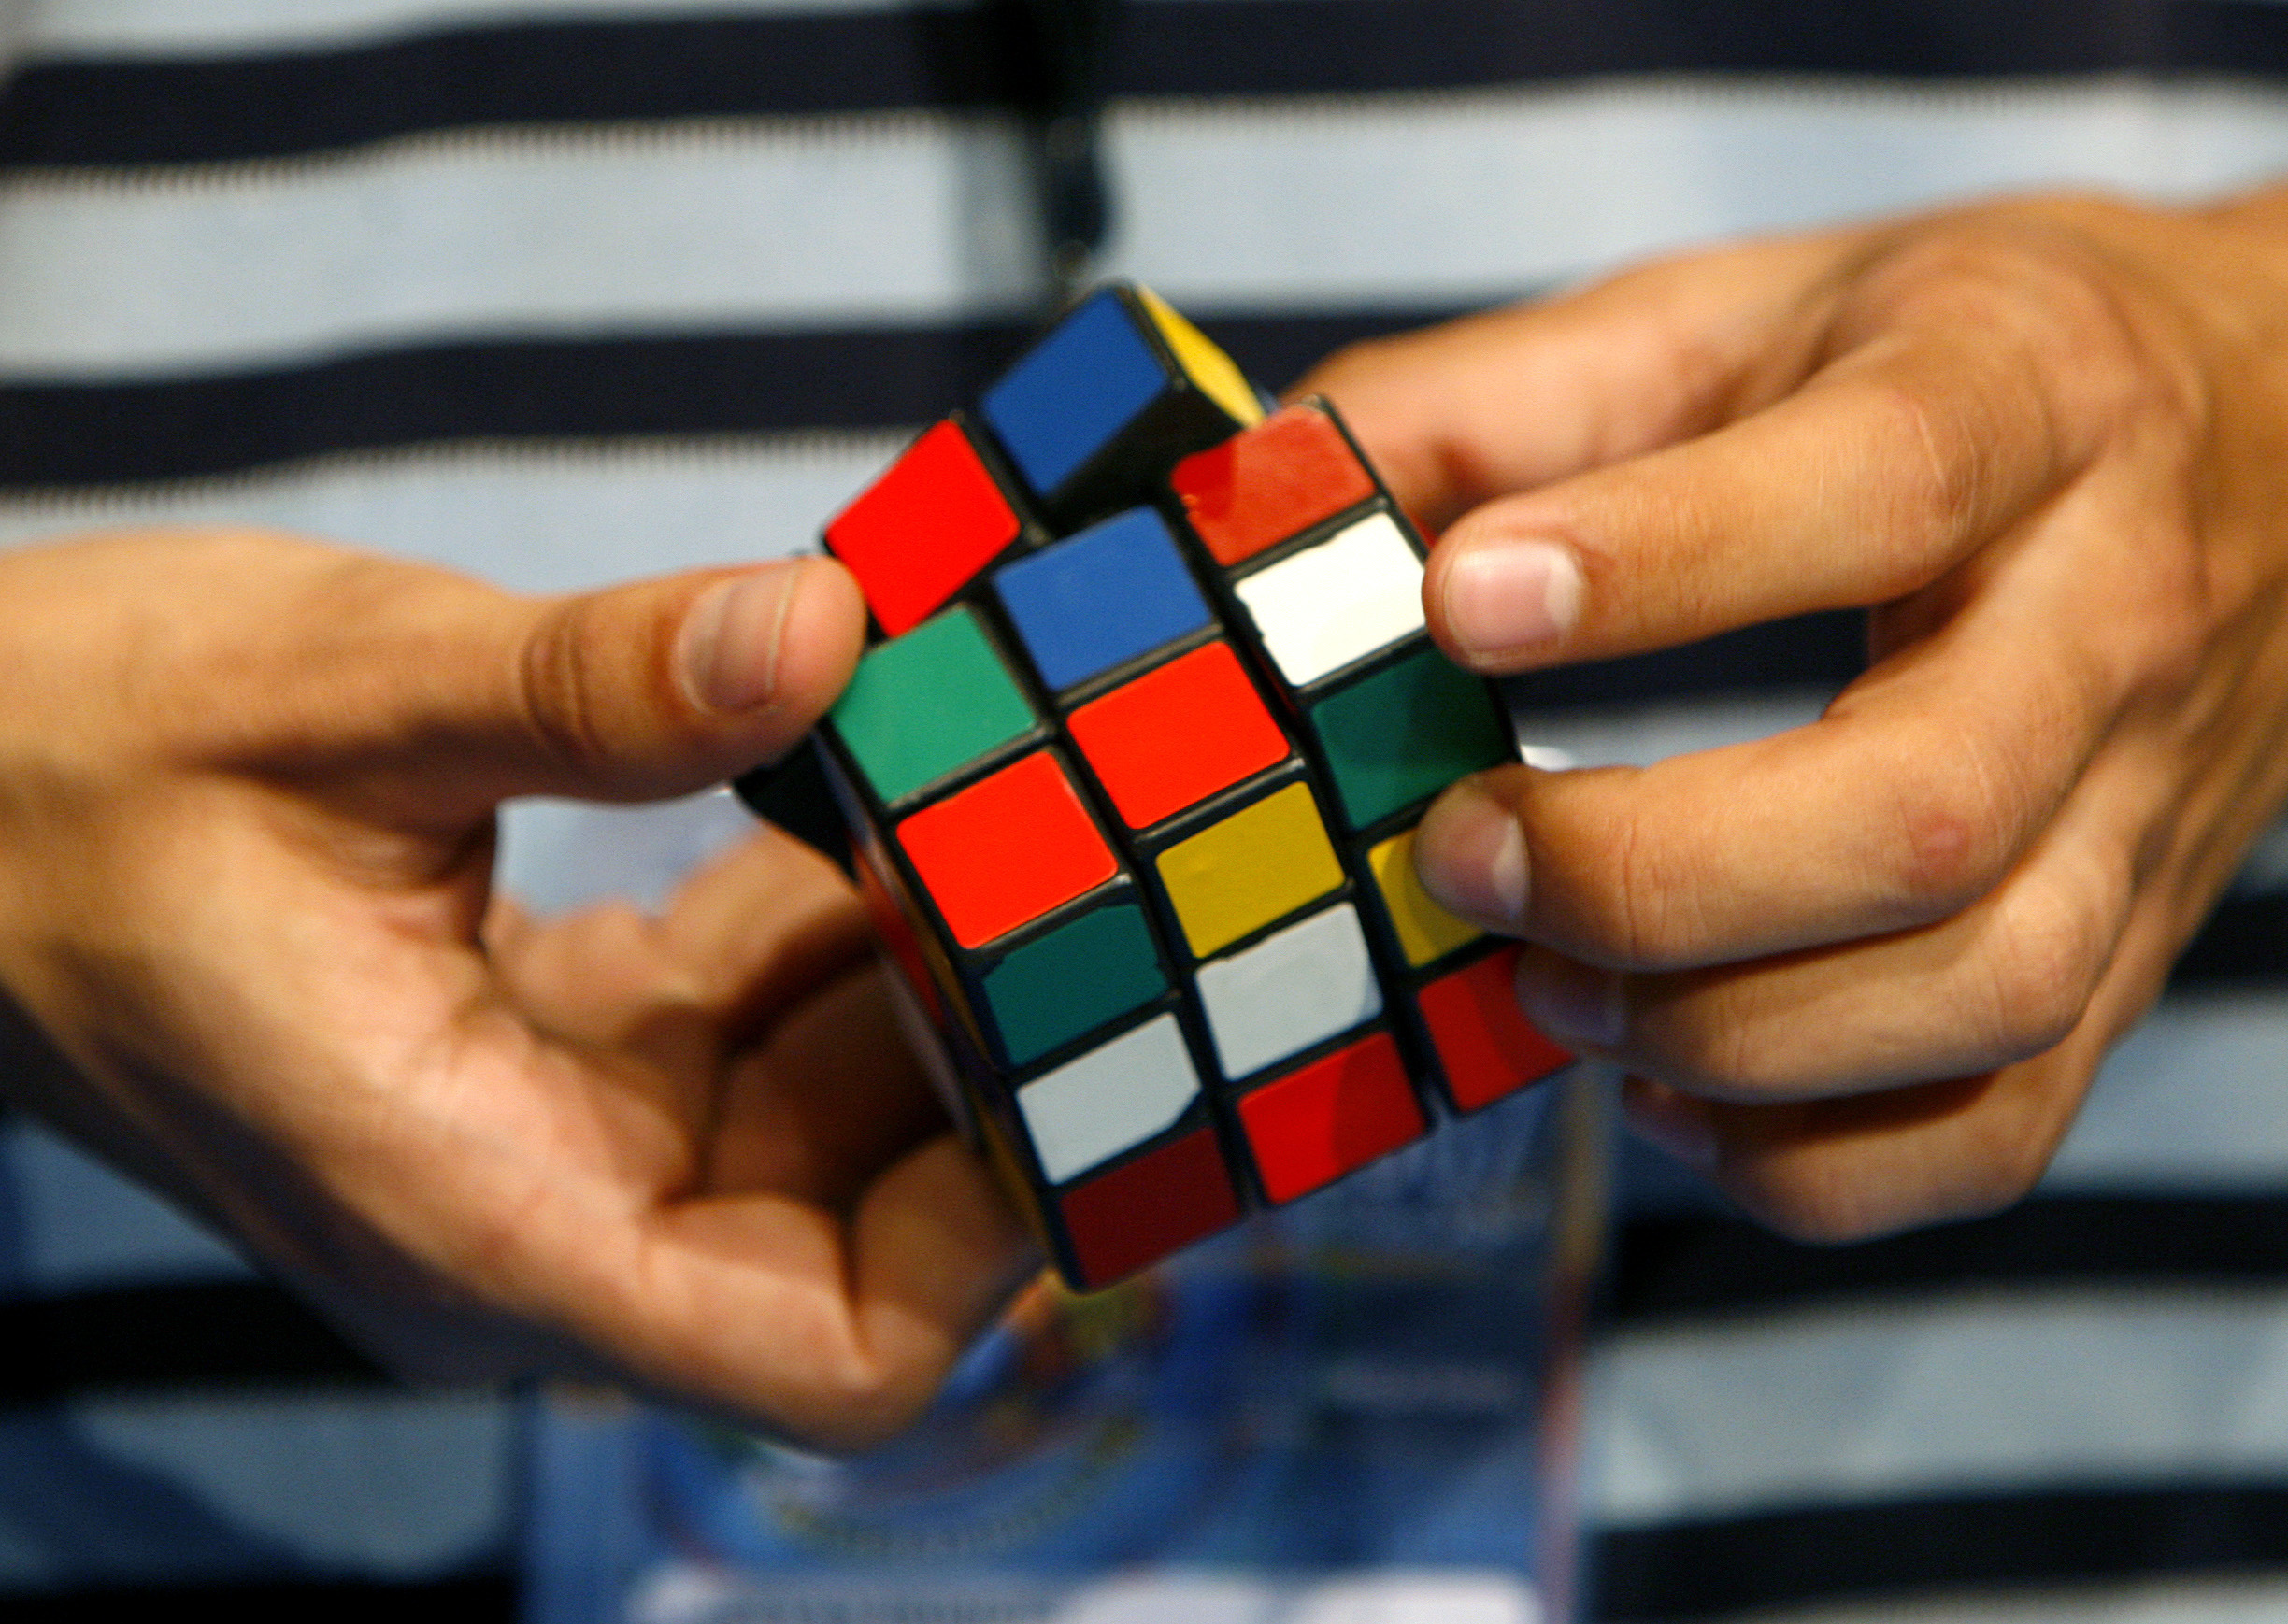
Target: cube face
(1138,1213)
(1299,986)
(1073,979)
(1244,870)
(1400,735)
(1484,1042)
(1287,475)
(1113,1098)
(1337,601)
(1424,930)
(1093,415)
(1135,796)
(1075,392)
(1331,1117)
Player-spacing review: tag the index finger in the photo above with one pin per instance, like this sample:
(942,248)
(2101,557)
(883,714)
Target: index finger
(1459,414)
(1917,792)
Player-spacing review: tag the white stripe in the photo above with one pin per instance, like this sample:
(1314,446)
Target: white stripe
(2196,1099)
(1438,198)
(546,521)
(165,28)
(2232,1600)
(1369,201)
(82,1227)
(787,224)
(1972,1394)
(398,1486)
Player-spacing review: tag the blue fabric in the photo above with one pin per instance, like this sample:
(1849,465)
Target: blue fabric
(1114,591)
(1080,387)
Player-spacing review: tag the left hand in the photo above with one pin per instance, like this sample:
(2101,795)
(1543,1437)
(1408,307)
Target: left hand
(247,794)
(1866,970)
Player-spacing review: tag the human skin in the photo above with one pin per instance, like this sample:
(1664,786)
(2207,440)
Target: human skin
(247,796)
(1863,972)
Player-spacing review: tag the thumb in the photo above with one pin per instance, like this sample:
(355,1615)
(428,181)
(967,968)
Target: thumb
(653,689)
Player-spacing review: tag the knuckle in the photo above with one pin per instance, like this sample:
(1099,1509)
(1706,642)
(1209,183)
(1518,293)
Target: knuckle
(2049,953)
(1939,493)
(862,1409)
(554,692)
(2050,310)
(1955,822)
(1637,909)
(1815,1200)
(1362,362)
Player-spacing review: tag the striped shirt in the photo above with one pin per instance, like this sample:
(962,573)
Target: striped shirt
(560,290)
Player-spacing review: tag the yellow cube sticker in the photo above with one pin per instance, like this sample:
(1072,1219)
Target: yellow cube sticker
(1425,930)
(1257,866)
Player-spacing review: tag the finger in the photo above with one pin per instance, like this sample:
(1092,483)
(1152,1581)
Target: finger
(838,1334)
(440,696)
(2004,981)
(1458,414)
(1913,796)
(762,924)
(1847,1169)
(1882,472)
(1906,802)
(1871,1164)
(830,1096)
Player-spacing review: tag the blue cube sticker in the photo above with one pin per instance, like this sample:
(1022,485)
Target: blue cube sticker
(1076,390)
(1115,590)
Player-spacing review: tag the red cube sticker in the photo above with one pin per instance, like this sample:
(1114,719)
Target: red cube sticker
(923,530)
(1336,1114)
(1007,849)
(1484,1041)
(1177,734)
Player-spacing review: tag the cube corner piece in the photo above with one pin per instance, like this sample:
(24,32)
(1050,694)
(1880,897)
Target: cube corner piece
(1096,412)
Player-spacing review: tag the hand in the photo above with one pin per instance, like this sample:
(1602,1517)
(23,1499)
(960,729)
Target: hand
(247,792)
(1864,971)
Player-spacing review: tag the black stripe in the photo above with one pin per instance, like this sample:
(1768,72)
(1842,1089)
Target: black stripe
(2244,943)
(87,435)
(68,113)
(71,435)
(1707,1570)
(231,1334)
(1674,1267)
(490,1599)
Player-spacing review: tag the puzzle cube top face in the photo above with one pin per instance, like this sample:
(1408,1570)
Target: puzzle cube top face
(1135,797)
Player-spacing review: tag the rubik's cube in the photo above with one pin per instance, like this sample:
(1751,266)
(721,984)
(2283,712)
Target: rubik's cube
(1133,765)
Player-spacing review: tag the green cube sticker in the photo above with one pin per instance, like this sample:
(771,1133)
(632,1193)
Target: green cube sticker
(1406,733)
(1075,978)
(924,703)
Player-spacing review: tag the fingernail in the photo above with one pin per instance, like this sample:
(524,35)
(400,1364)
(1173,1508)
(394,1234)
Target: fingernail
(1507,596)
(1470,857)
(1575,1004)
(729,646)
